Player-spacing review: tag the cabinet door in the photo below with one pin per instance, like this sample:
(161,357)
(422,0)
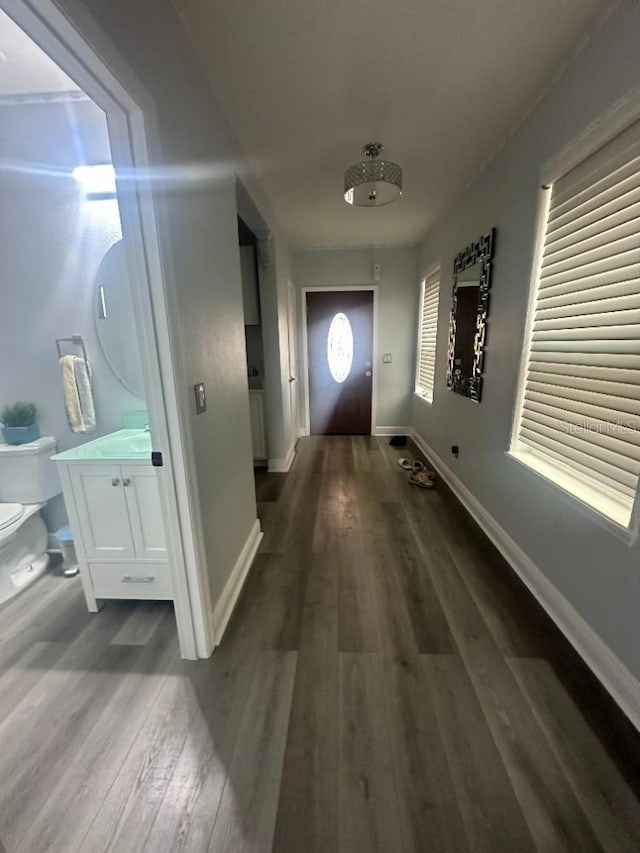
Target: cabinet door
(102,511)
(145,512)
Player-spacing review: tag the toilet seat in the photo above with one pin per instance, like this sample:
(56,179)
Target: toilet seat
(9,514)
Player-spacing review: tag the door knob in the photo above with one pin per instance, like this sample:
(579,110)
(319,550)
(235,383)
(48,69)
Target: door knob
(367,373)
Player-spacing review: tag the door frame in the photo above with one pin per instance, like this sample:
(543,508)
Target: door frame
(83,50)
(293,357)
(306,426)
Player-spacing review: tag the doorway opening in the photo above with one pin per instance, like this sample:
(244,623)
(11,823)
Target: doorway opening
(115,240)
(254,343)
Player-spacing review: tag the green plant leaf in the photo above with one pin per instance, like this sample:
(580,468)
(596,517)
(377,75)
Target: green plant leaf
(19,414)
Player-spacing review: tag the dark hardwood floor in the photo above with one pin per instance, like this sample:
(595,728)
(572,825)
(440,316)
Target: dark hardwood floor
(385,684)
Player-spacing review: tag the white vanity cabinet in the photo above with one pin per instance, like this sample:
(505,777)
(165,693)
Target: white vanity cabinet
(116,518)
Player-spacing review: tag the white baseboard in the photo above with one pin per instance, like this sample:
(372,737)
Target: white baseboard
(623,686)
(281,466)
(391,430)
(227,601)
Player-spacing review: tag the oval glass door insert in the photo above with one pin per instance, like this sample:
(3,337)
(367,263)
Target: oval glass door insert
(340,347)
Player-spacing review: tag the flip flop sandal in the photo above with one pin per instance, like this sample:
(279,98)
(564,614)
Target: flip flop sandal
(422,479)
(407,464)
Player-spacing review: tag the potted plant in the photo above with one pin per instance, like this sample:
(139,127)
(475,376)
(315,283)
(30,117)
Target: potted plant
(19,423)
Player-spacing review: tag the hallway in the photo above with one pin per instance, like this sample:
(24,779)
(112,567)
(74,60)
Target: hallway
(385,685)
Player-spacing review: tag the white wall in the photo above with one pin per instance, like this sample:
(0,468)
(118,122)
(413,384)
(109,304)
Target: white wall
(598,574)
(197,158)
(397,314)
(273,283)
(52,241)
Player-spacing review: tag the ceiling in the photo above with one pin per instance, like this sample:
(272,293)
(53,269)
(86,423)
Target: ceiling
(441,83)
(24,68)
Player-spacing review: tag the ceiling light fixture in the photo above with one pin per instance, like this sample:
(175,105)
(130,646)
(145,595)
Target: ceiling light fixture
(97,181)
(372,182)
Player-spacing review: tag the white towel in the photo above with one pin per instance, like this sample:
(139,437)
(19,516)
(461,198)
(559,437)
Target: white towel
(82,373)
(78,396)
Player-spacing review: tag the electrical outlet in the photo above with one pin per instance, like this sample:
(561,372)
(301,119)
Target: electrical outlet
(386,358)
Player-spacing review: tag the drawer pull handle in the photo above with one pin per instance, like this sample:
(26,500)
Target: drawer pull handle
(142,579)
(126,482)
(115,482)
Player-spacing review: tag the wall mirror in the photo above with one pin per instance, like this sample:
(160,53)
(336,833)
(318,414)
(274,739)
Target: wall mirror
(115,322)
(467,324)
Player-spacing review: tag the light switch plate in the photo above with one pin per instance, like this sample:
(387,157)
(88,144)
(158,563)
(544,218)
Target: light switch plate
(201,398)
(386,358)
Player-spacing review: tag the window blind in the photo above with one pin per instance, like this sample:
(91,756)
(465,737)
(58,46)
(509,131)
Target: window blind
(581,398)
(426,362)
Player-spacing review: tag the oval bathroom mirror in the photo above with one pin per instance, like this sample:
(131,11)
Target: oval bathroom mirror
(115,323)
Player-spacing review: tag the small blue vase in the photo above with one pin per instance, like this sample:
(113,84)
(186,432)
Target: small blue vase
(21,435)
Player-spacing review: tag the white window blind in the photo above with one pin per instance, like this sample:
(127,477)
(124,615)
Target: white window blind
(426,362)
(580,409)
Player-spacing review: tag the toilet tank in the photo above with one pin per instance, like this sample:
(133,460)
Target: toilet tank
(27,474)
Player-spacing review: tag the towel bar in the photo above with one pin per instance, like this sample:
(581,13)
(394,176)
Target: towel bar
(76,340)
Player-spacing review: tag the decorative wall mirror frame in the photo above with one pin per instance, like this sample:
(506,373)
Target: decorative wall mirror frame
(468,321)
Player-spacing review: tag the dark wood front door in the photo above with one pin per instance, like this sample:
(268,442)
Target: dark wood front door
(340,348)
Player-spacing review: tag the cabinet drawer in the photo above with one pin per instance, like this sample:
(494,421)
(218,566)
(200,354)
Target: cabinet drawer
(131,580)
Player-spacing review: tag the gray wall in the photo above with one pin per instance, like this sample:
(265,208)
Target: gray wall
(596,572)
(52,241)
(192,144)
(397,318)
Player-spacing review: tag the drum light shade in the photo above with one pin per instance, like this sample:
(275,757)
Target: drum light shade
(373,182)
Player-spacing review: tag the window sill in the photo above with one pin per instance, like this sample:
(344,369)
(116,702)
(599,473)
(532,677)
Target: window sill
(602,509)
(423,398)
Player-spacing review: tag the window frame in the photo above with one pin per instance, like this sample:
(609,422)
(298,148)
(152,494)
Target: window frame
(434,270)
(585,498)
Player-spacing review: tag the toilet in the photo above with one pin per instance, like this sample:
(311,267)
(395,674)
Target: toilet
(28,479)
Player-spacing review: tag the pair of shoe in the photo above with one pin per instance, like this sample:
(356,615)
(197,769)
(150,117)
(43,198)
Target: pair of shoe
(419,475)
